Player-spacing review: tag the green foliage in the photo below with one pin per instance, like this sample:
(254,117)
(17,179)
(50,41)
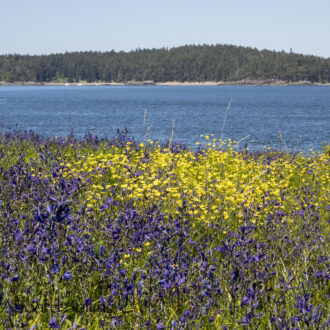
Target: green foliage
(186,63)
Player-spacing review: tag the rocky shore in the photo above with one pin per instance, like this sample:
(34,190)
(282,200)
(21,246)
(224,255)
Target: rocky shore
(244,82)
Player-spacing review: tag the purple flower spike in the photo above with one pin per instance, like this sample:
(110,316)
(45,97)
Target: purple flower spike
(301,213)
(67,275)
(53,324)
(160,326)
(15,278)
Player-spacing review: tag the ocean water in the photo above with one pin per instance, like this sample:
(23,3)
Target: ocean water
(260,114)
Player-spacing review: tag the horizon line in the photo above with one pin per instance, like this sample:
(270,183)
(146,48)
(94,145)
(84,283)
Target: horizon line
(168,48)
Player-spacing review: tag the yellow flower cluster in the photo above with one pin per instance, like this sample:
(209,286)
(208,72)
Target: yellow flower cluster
(216,183)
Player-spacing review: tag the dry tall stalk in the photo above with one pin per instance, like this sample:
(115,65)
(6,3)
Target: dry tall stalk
(225,119)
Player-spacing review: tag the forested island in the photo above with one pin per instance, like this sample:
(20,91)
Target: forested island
(192,63)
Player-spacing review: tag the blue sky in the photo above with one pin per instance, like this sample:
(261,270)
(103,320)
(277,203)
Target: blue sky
(44,26)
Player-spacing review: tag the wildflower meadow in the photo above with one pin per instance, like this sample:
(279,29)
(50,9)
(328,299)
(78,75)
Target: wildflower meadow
(105,233)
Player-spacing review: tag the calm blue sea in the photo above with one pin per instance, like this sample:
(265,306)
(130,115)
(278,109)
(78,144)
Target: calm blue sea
(301,114)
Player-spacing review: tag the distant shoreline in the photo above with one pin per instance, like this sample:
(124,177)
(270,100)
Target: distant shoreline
(245,82)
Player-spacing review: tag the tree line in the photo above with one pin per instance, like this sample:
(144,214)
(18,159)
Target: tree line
(186,63)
